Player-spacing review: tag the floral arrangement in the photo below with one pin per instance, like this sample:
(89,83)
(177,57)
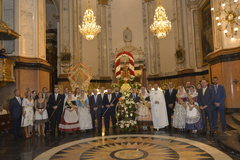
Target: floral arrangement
(136,85)
(126,110)
(114,85)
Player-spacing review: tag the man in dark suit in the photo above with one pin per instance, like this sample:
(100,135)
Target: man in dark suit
(15,108)
(134,95)
(100,109)
(109,102)
(93,103)
(205,101)
(56,107)
(219,101)
(170,98)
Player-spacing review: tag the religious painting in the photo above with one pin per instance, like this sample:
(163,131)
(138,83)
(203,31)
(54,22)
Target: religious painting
(206,30)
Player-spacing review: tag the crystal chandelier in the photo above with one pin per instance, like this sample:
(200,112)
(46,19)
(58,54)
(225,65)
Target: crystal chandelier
(161,25)
(89,27)
(227,16)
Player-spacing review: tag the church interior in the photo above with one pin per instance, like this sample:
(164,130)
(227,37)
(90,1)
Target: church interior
(129,47)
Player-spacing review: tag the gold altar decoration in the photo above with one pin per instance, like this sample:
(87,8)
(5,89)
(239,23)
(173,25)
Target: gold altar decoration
(6,70)
(7,33)
(161,26)
(79,76)
(89,27)
(227,17)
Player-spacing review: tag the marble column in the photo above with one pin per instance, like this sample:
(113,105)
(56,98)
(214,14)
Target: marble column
(104,38)
(32,70)
(151,43)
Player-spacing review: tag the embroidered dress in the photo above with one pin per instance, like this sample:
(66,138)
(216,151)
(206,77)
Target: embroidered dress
(193,118)
(69,120)
(180,112)
(143,111)
(85,119)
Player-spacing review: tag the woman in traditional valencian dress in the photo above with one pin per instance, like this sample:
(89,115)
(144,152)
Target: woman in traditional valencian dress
(143,110)
(69,120)
(193,119)
(82,102)
(41,115)
(179,116)
(28,114)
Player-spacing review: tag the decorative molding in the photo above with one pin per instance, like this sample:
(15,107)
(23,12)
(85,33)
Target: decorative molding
(64,79)
(148,1)
(224,55)
(181,75)
(32,64)
(103,2)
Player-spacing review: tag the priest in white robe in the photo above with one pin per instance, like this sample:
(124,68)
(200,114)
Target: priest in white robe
(158,108)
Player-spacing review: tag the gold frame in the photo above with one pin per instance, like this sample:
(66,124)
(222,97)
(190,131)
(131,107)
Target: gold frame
(204,63)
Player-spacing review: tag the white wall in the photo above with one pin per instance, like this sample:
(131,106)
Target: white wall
(127,13)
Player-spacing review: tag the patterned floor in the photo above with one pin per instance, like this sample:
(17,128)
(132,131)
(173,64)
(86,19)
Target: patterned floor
(133,147)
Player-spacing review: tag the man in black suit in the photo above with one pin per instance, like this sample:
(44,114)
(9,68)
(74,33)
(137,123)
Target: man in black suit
(15,108)
(170,98)
(134,95)
(56,107)
(109,102)
(205,101)
(101,108)
(93,103)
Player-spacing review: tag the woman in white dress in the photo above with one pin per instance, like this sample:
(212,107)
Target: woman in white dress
(143,110)
(180,113)
(69,120)
(193,119)
(82,102)
(41,115)
(27,116)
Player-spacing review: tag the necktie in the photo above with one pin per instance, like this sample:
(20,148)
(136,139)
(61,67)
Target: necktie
(109,97)
(215,87)
(18,99)
(170,91)
(56,95)
(95,97)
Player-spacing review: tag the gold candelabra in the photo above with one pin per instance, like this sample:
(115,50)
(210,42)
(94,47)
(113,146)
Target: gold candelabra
(161,26)
(89,27)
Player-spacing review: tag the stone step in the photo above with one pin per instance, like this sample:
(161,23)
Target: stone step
(229,141)
(231,123)
(236,117)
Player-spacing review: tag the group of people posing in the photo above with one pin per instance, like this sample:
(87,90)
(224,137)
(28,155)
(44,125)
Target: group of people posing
(184,108)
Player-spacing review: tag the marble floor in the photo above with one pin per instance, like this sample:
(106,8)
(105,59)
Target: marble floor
(151,145)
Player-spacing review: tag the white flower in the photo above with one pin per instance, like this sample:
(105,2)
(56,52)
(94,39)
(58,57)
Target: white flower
(131,115)
(121,126)
(130,106)
(127,125)
(127,116)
